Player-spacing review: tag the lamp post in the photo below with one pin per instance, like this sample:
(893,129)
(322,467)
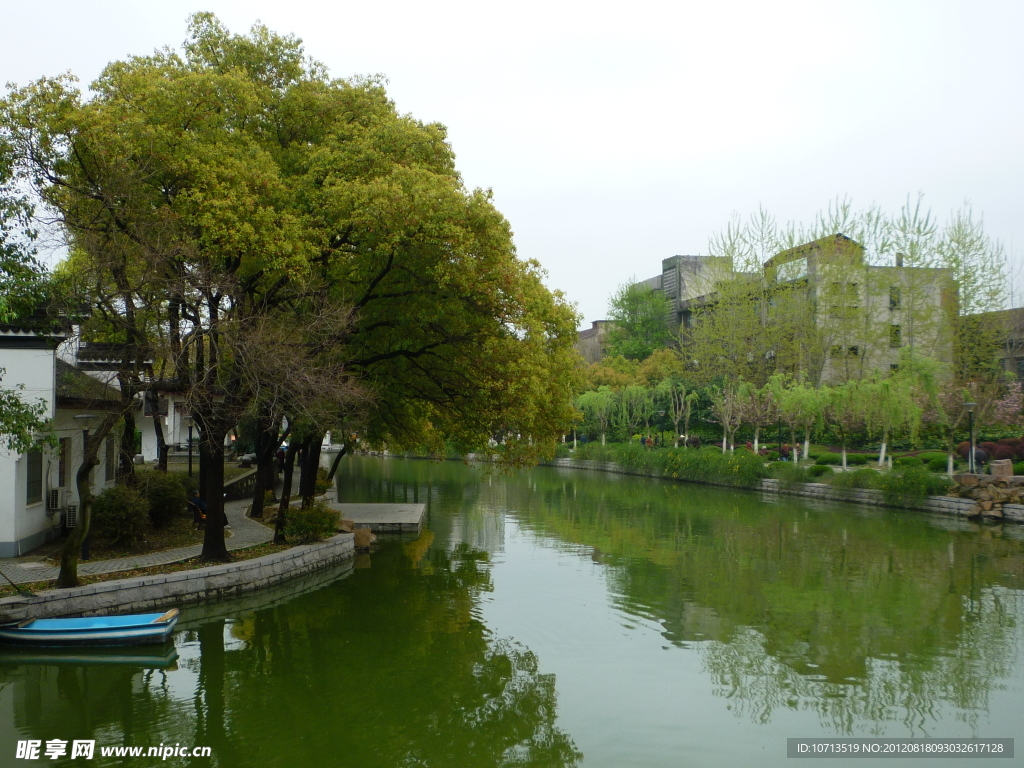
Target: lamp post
(971,464)
(189,423)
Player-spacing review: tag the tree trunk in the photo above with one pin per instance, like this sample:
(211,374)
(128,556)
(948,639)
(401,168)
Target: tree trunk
(807,442)
(337,461)
(286,492)
(757,433)
(68,576)
(126,455)
(885,440)
(310,469)
(268,440)
(211,471)
(161,443)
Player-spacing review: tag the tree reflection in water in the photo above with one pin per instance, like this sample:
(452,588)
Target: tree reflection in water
(391,666)
(865,616)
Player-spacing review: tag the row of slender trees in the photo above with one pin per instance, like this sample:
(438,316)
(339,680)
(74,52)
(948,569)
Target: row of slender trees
(884,406)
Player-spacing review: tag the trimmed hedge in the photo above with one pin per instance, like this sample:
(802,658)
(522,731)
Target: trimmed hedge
(817,470)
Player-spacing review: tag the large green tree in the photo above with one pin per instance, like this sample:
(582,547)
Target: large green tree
(235,182)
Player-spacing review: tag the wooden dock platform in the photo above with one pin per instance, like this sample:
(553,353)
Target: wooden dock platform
(384,518)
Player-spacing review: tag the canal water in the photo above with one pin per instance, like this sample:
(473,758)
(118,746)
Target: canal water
(557,617)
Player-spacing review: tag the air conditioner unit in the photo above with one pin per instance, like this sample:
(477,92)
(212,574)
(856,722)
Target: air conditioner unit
(58,498)
(71,516)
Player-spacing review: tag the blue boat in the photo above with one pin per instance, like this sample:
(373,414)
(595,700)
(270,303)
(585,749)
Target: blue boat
(133,629)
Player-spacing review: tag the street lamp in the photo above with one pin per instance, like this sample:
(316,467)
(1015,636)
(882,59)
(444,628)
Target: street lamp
(189,423)
(971,465)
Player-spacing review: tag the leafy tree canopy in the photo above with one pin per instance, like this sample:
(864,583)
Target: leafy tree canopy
(640,318)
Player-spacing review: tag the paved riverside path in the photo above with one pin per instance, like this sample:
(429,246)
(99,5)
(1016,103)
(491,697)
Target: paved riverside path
(245,532)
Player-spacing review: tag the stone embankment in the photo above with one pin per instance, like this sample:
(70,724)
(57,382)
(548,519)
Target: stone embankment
(161,591)
(946,505)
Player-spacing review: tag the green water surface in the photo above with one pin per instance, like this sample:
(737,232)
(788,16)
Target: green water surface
(559,617)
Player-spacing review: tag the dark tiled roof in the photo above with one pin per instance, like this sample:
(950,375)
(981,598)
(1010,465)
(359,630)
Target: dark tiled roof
(77,389)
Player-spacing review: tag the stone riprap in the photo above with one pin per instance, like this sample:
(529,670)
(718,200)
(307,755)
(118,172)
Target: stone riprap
(169,590)
(996,495)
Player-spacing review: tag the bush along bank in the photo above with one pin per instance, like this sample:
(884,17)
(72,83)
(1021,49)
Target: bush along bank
(911,485)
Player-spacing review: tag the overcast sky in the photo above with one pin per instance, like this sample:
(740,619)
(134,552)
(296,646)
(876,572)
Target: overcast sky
(616,135)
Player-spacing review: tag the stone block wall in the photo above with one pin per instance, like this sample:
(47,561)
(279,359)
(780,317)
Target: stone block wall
(168,590)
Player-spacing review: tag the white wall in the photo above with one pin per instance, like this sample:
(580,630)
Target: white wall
(35,369)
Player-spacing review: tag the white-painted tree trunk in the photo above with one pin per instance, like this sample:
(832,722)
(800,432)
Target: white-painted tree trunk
(881,453)
(949,463)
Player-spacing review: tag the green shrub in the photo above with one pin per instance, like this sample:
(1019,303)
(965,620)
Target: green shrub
(562,451)
(907,461)
(741,469)
(928,456)
(938,465)
(166,496)
(856,459)
(772,456)
(788,473)
(861,478)
(817,470)
(909,486)
(829,458)
(312,524)
(119,516)
(595,452)
(1018,468)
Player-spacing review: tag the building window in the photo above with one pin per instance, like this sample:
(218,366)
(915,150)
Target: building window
(62,462)
(894,298)
(1020,367)
(853,351)
(35,477)
(894,367)
(110,459)
(895,336)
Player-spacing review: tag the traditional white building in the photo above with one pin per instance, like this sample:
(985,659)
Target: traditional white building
(38,494)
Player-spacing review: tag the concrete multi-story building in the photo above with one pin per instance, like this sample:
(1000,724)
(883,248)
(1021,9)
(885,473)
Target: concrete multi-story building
(854,317)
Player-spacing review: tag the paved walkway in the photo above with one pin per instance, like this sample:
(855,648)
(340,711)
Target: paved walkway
(245,532)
